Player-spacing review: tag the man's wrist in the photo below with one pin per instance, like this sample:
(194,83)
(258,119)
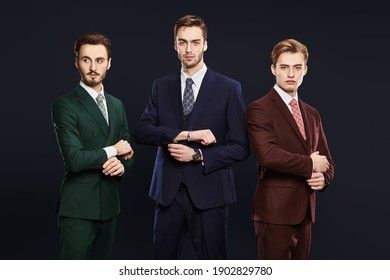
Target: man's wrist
(198,156)
(111,151)
(183,136)
(201,154)
(326,180)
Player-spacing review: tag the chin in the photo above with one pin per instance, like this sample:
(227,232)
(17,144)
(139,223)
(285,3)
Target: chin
(91,83)
(289,89)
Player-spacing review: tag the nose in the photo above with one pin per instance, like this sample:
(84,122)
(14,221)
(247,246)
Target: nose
(291,72)
(188,49)
(92,66)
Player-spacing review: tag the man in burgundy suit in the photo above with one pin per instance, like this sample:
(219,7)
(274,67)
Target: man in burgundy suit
(293,159)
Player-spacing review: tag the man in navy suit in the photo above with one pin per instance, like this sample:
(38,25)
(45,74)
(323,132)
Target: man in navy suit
(198,142)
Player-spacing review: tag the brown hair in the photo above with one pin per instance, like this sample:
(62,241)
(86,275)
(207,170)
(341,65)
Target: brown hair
(289,45)
(189,21)
(93,38)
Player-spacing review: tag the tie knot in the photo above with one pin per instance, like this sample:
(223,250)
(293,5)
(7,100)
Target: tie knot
(99,98)
(189,82)
(293,103)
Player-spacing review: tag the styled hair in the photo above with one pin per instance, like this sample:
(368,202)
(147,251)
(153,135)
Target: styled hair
(291,46)
(93,38)
(189,21)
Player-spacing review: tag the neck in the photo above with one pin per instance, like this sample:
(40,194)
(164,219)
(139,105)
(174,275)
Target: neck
(292,94)
(192,70)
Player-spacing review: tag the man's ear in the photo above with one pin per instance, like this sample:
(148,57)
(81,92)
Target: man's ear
(75,63)
(109,64)
(273,69)
(205,46)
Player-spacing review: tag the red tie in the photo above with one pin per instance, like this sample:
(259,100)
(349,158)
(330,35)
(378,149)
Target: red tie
(298,117)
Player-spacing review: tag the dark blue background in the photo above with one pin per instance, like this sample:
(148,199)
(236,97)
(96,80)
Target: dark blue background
(347,81)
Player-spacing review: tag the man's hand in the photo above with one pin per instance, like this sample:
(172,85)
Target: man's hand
(320,163)
(113,167)
(124,149)
(181,152)
(204,136)
(317,181)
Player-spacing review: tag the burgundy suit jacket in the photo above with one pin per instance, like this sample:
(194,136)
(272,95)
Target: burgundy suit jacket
(283,158)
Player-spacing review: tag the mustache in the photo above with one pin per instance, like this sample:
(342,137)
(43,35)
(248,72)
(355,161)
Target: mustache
(93,72)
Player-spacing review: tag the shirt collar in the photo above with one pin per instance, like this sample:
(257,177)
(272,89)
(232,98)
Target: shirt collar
(91,91)
(196,78)
(284,95)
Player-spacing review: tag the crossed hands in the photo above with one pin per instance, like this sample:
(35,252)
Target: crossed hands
(320,163)
(320,166)
(113,166)
(184,153)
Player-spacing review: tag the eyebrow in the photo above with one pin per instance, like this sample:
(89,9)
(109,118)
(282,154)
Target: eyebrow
(85,56)
(184,40)
(299,64)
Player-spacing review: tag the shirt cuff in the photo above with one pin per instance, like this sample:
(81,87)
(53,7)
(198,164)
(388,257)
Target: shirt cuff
(110,151)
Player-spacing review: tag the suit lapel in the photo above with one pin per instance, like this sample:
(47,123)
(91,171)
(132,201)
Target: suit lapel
(176,100)
(279,103)
(308,125)
(113,117)
(86,100)
(205,92)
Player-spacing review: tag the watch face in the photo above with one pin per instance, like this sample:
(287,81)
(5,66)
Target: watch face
(197,156)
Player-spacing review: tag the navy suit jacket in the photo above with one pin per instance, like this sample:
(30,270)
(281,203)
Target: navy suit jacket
(219,107)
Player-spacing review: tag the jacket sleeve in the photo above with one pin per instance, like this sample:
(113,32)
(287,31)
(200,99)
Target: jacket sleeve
(265,148)
(75,157)
(236,146)
(148,129)
(125,135)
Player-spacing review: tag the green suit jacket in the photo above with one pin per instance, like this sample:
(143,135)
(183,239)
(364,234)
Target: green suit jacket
(82,133)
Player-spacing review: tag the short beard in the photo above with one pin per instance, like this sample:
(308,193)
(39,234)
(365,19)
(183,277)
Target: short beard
(198,60)
(94,82)
(91,83)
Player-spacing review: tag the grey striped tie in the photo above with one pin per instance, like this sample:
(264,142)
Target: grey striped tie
(100,103)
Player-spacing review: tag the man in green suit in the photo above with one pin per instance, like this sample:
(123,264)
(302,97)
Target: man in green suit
(93,136)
